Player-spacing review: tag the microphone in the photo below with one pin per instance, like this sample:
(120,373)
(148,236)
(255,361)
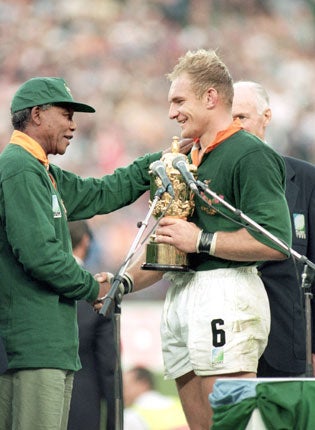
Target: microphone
(179,163)
(158,168)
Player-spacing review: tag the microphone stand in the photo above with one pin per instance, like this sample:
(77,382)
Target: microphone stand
(113,299)
(307,277)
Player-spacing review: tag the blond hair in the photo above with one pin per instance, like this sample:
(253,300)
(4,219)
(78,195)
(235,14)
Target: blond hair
(206,70)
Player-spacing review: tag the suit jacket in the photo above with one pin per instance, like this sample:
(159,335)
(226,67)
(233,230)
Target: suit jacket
(286,349)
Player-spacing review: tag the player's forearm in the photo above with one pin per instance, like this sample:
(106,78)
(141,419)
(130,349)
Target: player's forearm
(142,278)
(241,246)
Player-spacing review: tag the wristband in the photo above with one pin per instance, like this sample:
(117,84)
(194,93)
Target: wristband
(205,243)
(126,283)
(198,240)
(213,244)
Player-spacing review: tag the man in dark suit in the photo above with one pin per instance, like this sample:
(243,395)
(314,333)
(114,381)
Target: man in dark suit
(93,385)
(285,354)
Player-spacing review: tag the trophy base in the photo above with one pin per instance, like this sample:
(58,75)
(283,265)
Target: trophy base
(163,257)
(164,267)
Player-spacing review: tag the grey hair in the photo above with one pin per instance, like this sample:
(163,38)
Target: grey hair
(21,118)
(261,95)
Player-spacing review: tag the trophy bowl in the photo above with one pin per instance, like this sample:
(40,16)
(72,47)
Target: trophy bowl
(160,256)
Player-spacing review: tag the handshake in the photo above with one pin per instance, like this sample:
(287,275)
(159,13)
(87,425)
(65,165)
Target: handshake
(105,280)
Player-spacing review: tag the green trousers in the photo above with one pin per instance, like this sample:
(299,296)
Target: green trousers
(35,399)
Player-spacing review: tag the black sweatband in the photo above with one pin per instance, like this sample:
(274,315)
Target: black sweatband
(126,283)
(205,242)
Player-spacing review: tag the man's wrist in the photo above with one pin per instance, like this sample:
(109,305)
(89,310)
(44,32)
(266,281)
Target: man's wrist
(206,242)
(127,282)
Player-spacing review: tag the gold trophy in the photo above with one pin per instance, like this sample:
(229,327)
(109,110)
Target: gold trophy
(160,256)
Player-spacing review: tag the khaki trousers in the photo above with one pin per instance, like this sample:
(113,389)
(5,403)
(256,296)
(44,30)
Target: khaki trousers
(35,399)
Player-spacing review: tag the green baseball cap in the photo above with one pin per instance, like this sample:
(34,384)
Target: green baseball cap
(41,91)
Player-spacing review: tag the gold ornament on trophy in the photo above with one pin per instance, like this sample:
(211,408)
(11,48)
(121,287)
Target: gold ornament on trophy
(178,203)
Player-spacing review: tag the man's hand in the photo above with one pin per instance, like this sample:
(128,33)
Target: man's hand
(185,146)
(103,279)
(177,232)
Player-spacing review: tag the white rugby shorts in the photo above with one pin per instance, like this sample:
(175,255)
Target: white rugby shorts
(214,322)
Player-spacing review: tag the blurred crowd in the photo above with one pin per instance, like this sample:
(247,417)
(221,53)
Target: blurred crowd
(115,53)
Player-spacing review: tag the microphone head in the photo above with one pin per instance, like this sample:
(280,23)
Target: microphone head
(181,165)
(156,165)
(158,168)
(177,159)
